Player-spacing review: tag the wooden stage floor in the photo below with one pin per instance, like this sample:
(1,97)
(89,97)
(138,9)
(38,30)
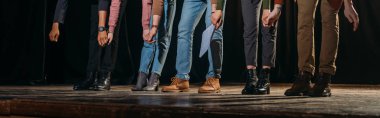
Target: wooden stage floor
(61,101)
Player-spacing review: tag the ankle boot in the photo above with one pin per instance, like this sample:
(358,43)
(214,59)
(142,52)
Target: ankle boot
(301,86)
(177,85)
(263,85)
(321,87)
(142,80)
(88,83)
(104,81)
(211,85)
(251,82)
(153,83)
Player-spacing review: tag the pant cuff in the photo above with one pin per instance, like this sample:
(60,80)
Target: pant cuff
(311,70)
(330,71)
(183,76)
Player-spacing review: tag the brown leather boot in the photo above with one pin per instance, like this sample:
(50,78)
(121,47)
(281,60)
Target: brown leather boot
(321,87)
(301,85)
(210,86)
(177,85)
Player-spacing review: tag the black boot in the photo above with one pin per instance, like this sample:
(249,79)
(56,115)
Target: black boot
(251,82)
(104,81)
(142,80)
(301,86)
(321,87)
(263,85)
(153,83)
(88,83)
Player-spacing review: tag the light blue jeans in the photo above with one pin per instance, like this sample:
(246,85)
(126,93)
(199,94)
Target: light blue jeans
(154,54)
(192,11)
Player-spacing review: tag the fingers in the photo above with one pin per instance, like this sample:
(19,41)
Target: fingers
(146,37)
(356,22)
(109,40)
(56,37)
(350,19)
(51,37)
(100,41)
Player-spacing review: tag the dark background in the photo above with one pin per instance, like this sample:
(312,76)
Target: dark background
(27,57)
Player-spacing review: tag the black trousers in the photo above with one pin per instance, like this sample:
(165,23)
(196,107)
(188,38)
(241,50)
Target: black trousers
(101,59)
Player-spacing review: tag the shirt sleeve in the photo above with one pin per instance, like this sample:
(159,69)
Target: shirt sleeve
(158,6)
(279,2)
(114,14)
(146,13)
(103,5)
(219,4)
(60,11)
(266,4)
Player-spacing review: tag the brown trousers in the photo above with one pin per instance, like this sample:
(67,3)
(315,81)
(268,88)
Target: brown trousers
(330,35)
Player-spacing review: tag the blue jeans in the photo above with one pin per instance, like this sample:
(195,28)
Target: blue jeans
(154,54)
(192,12)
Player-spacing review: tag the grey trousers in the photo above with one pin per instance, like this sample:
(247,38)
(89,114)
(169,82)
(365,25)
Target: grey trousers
(251,17)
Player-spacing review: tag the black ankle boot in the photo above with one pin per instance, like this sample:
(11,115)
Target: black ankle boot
(251,82)
(301,86)
(263,85)
(321,87)
(153,83)
(88,83)
(104,82)
(142,80)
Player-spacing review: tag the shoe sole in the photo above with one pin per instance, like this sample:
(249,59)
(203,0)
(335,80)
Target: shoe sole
(212,91)
(183,90)
(297,94)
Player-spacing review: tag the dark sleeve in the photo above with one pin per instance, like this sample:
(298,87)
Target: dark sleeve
(60,11)
(104,5)
(266,4)
(219,4)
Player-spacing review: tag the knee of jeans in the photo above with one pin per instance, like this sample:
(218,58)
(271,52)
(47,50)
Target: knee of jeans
(184,32)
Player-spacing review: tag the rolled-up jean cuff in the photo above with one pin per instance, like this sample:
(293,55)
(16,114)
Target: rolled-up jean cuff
(144,71)
(158,73)
(183,76)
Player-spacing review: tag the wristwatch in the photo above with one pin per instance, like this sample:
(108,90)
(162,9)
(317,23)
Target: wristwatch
(101,29)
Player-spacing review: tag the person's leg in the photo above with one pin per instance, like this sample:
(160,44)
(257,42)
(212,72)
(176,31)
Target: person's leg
(146,59)
(93,54)
(329,49)
(192,12)
(215,55)
(269,36)
(251,15)
(163,43)
(305,47)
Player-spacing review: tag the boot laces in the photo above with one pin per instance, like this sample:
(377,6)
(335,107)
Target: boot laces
(174,80)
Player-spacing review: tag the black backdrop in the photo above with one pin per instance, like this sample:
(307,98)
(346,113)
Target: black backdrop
(26,56)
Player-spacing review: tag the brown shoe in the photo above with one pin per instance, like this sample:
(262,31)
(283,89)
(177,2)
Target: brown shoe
(210,86)
(321,87)
(301,86)
(177,85)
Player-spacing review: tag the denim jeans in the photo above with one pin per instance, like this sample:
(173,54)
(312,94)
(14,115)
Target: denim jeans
(154,54)
(192,11)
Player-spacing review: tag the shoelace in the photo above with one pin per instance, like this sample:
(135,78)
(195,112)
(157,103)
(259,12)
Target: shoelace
(174,80)
(209,82)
